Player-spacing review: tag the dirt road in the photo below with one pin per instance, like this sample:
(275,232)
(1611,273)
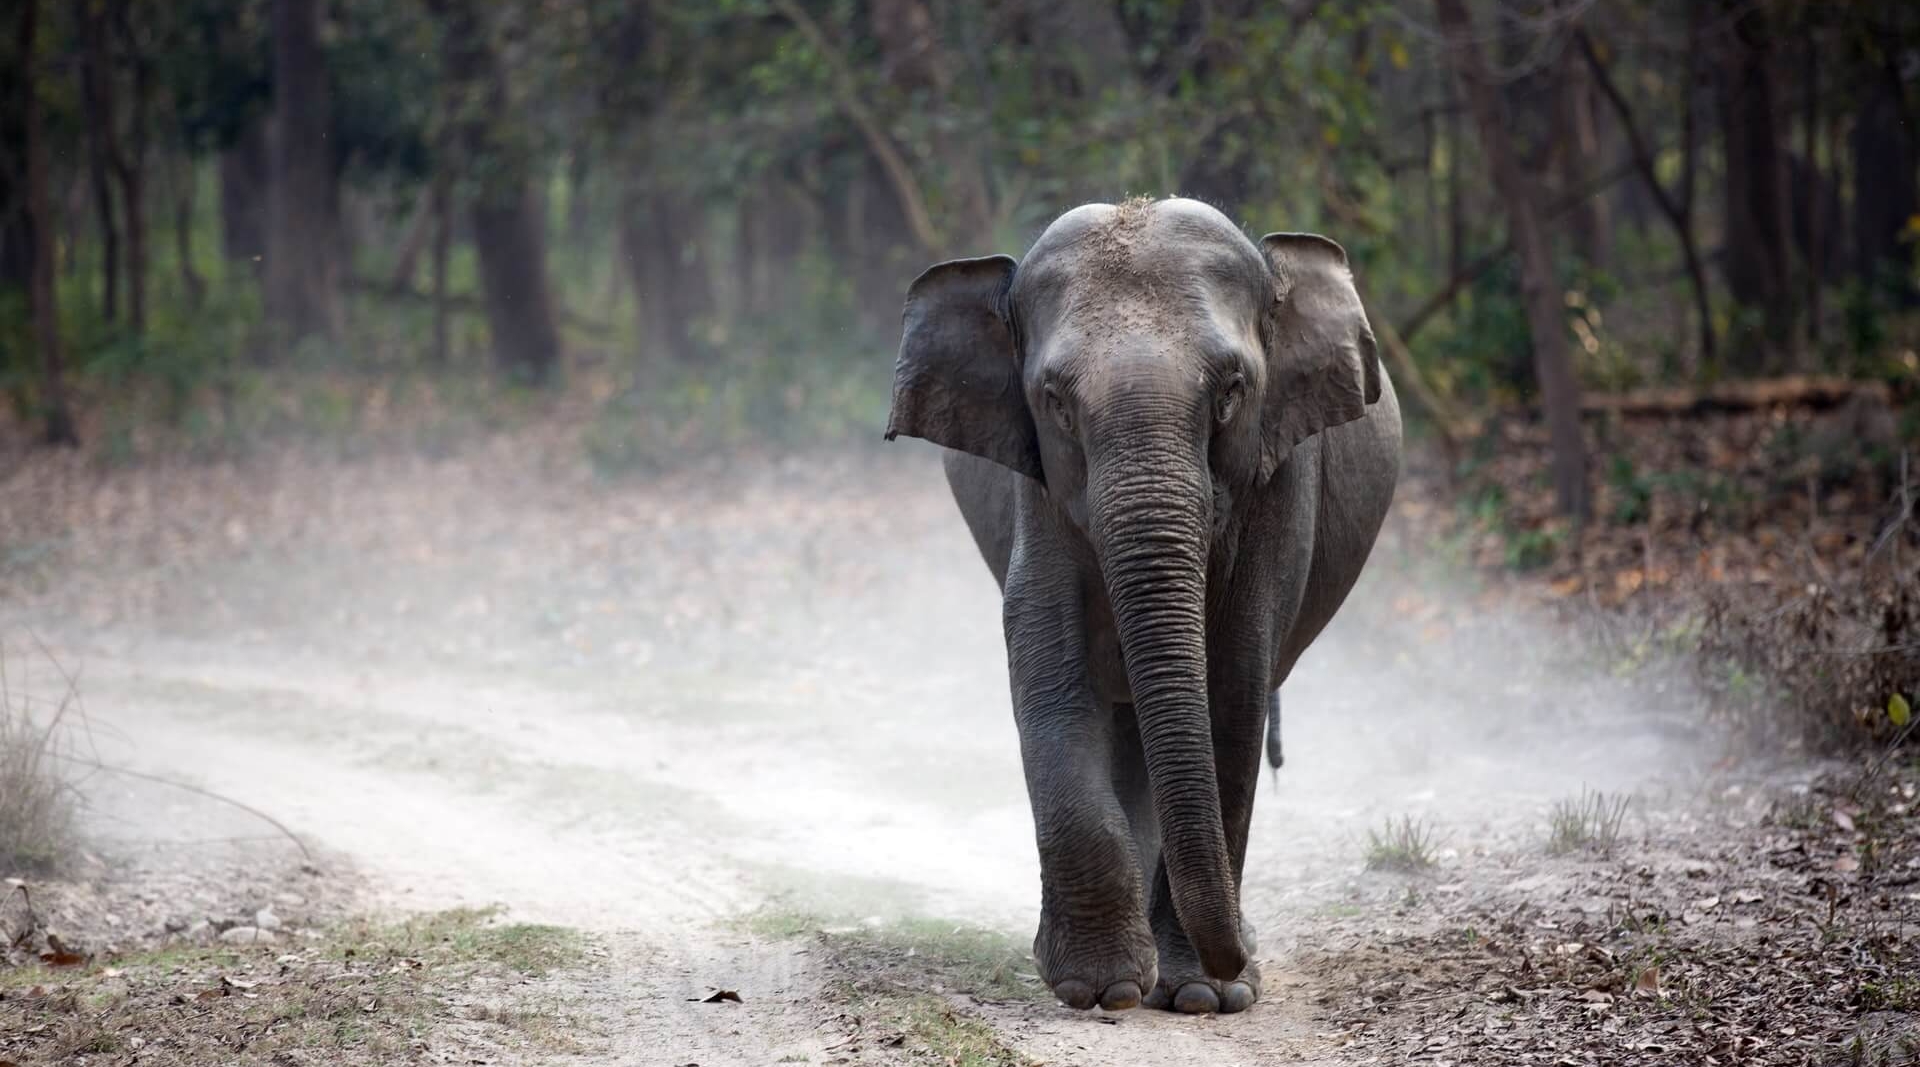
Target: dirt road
(770,688)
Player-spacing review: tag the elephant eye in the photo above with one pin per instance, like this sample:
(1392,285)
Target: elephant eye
(1230,396)
(1058,409)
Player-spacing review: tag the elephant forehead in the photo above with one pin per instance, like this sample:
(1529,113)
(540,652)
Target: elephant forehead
(1142,327)
(1101,314)
(1155,276)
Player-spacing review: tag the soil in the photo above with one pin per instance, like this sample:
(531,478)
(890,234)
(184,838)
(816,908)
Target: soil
(744,724)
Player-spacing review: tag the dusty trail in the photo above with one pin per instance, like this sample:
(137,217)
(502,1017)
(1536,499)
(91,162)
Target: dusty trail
(650,710)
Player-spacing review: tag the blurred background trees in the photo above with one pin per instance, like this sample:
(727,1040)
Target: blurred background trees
(705,212)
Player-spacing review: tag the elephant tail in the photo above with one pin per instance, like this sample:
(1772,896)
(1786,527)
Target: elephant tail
(1275,757)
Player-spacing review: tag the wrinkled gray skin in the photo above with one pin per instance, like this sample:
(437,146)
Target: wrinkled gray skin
(1174,447)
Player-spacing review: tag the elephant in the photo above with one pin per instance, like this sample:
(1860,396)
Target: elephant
(1175,449)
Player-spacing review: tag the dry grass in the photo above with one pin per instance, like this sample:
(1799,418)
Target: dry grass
(1589,823)
(36,799)
(1836,660)
(1405,844)
(450,987)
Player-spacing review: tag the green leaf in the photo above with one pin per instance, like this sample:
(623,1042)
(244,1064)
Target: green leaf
(1898,711)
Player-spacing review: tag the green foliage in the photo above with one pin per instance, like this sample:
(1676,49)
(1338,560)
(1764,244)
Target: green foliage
(763,142)
(1485,345)
(1633,492)
(1531,549)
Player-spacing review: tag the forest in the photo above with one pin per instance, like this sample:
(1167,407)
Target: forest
(222,220)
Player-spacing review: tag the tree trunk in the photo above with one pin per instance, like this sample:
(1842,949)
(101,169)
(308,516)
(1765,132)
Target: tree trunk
(413,240)
(103,151)
(441,198)
(1885,194)
(660,341)
(243,210)
(133,179)
(1456,189)
(1539,289)
(579,207)
(301,274)
(1812,206)
(1580,157)
(513,276)
(183,199)
(662,237)
(1758,253)
(508,225)
(42,292)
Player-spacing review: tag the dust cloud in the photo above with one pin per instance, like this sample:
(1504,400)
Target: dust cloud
(761,684)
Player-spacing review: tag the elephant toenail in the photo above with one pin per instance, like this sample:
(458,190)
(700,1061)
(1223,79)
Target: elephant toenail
(1238,996)
(1121,996)
(1074,994)
(1196,998)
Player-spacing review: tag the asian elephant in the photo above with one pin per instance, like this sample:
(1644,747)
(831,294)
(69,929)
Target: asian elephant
(1175,448)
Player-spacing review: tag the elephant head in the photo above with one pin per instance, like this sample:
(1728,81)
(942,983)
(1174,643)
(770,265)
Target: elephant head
(1147,364)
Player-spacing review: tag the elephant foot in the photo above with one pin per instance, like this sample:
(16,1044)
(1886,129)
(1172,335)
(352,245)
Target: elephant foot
(1090,965)
(1185,987)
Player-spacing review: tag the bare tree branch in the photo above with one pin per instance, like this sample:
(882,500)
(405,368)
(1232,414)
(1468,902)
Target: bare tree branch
(846,92)
(1677,212)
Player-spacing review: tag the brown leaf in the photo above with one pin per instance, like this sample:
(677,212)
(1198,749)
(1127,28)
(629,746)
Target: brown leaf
(59,958)
(1846,864)
(1843,820)
(1647,983)
(719,995)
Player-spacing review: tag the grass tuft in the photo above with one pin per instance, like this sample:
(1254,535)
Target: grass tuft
(1590,823)
(965,958)
(472,935)
(1405,844)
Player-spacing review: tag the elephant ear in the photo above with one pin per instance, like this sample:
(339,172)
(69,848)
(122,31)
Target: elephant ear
(1322,367)
(957,379)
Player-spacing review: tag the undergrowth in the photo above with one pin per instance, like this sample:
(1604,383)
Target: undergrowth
(37,801)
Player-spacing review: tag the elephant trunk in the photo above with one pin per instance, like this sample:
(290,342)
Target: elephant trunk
(1150,516)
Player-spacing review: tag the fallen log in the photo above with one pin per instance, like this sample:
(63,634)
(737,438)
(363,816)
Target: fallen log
(1804,390)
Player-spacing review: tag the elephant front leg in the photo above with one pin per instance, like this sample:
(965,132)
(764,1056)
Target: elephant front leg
(1094,945)
(1239,716)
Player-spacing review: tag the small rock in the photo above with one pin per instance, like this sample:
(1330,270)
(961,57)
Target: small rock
(247,935)
(265,919)
(199,931)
